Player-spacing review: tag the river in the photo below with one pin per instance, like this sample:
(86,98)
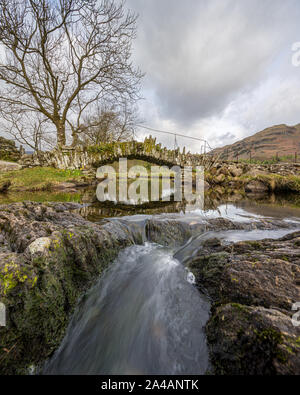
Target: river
(145,315)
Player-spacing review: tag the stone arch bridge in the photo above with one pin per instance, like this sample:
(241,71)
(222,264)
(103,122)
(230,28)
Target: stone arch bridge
(96,156)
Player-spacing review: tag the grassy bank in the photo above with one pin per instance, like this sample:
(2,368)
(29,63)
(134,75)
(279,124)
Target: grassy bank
(39,178)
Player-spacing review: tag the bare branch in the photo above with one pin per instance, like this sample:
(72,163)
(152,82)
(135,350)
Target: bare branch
(60,58)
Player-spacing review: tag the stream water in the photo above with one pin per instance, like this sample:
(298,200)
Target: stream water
(145,315)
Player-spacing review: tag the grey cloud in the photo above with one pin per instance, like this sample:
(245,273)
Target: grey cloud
(199,55)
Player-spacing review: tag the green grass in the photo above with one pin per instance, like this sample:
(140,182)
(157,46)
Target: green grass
(41,197)
(38,178)
(272,161)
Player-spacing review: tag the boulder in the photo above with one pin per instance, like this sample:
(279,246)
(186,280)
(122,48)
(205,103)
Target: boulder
(252,341)
(9,166)
(50,256)
(219,179)
(235,171)
(254,286)
(8,150)
(256,186)
(40,246)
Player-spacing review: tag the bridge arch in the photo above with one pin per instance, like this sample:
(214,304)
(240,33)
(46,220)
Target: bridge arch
(96,156)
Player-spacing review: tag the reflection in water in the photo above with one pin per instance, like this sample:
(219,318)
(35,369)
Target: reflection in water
(143,317)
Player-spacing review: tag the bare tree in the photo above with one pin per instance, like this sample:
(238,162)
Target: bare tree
(32,133)
(60,58)
(108,124)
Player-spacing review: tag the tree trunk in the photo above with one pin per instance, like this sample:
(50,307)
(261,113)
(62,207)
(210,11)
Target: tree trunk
(74,138)
(61,135)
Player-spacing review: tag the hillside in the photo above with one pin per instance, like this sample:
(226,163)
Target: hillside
(281,140)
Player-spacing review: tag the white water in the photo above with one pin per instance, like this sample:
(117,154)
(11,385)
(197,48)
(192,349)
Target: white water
(143,317)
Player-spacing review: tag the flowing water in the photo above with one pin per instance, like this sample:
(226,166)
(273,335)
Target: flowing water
(143,317)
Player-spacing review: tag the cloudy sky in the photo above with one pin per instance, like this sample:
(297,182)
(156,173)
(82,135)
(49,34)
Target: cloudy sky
(220,70)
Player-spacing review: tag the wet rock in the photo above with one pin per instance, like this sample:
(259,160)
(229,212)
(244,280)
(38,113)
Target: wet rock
(256,284)
(260,273)
(48,258)
(253,341)
(171,232)
(212,243)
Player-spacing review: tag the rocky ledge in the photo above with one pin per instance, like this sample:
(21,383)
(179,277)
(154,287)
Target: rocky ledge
(49,257)
(253,286)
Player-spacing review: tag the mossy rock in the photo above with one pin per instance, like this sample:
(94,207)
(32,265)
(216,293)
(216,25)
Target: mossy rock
(252,341)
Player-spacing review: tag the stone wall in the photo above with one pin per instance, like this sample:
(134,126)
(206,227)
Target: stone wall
(8,150)
(95,156)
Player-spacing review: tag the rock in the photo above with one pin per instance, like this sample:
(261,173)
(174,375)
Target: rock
(253,341)
(224,170)
(212,243)
(9,166)
(50,256)
(219,179)
(8,150)
(206,185)
(65,185)
(261,273)
(254,286)
(40,245)
(235,171)
(256,186)
(4,186)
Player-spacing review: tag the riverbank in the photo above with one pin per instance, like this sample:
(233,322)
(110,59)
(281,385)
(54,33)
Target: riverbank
(231,177)
(46,269)
(44,179)
(253,286)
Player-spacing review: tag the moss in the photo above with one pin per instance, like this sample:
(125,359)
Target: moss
(13,274)
(208,270)
(270,335)
(239,307)
(254,244)
(38,320)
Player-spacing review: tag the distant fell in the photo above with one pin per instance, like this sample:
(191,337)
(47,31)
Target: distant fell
(280,141)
